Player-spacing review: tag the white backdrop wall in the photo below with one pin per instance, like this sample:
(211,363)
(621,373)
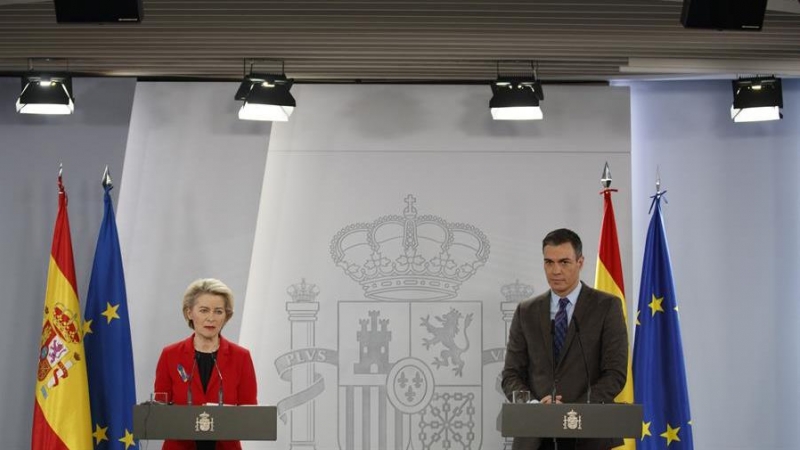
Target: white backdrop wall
(187,209)
(351,166)
(732,225)
(31,148)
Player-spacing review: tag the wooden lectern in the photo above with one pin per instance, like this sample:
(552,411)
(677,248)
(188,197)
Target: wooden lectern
(571,420)
(205,423)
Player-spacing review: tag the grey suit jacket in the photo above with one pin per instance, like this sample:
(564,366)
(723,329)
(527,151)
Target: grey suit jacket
(529,353)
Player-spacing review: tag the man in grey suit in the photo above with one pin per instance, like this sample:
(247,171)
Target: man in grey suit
(556,317)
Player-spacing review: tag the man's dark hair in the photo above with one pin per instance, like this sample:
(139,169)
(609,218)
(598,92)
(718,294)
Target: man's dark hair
(563,236)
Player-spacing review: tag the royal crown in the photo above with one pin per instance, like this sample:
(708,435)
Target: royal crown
(303,292)
(517,292)
(66,323)
(410,257)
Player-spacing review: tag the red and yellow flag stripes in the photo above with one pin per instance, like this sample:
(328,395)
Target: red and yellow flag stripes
(608,278)
(61,417)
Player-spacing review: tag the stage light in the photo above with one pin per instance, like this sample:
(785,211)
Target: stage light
(757,99)
(46,94)
(516,99)
(266,97)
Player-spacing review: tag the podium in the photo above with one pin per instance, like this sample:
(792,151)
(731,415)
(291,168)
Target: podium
(571,420)
(213,423)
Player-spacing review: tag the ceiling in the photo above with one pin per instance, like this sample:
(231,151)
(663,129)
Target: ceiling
(401,41)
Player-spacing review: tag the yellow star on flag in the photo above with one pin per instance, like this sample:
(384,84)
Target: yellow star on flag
(637,317)
(646,429)
(99,434)
(127,439)
(110,312)
(87,327)
(671,434)
(655,305)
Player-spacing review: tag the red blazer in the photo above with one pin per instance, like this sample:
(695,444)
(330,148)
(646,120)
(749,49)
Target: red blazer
(238,374)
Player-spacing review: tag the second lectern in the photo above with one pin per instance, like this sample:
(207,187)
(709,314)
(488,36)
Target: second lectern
(572,420)
(212,423)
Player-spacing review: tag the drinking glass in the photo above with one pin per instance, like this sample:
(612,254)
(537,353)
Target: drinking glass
(521,396)
(159,397)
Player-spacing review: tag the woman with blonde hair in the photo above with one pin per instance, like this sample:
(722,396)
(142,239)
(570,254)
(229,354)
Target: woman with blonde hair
(206,367)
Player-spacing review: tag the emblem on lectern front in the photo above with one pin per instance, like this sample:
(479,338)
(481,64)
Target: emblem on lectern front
(204,422)
(572,420)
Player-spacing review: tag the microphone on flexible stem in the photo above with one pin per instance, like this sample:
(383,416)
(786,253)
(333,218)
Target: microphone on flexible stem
(585,363)
(189,384)
(555,360)
(219,372)
(553,336)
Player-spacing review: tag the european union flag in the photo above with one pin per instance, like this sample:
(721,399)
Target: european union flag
(107,338)
(659,374)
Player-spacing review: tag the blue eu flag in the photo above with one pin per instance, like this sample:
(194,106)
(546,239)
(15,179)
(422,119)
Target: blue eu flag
(107,339)
(659,374)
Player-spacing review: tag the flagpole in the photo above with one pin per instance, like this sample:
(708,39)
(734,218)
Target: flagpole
(109,351)
(61,417)
(609,277)
(658,365)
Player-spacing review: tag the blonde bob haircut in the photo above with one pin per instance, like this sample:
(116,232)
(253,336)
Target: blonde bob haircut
(207,286)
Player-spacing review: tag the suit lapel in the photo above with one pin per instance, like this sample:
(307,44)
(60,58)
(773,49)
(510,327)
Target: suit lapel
(582,308)
(545,324)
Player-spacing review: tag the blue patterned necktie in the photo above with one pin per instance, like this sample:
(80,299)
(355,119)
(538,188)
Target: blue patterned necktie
(561,327)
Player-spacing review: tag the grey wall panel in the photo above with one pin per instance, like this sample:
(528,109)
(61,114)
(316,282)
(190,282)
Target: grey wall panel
(732,223)
(31,147)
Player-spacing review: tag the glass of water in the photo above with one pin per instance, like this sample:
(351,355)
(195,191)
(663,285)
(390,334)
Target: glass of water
(521,396)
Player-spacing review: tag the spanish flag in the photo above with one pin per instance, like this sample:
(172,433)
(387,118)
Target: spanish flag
(61,417)
(608,278)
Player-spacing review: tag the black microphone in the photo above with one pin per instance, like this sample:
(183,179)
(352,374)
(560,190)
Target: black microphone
(219,372)
(553,336)
(585,363)
(189,387)
(553,395)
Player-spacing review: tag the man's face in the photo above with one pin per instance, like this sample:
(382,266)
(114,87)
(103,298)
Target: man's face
(562,268)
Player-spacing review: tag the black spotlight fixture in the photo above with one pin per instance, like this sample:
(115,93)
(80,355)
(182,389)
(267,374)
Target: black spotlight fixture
(265,96)
(516,97)
(747,15)
(46,93)
(757,99)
